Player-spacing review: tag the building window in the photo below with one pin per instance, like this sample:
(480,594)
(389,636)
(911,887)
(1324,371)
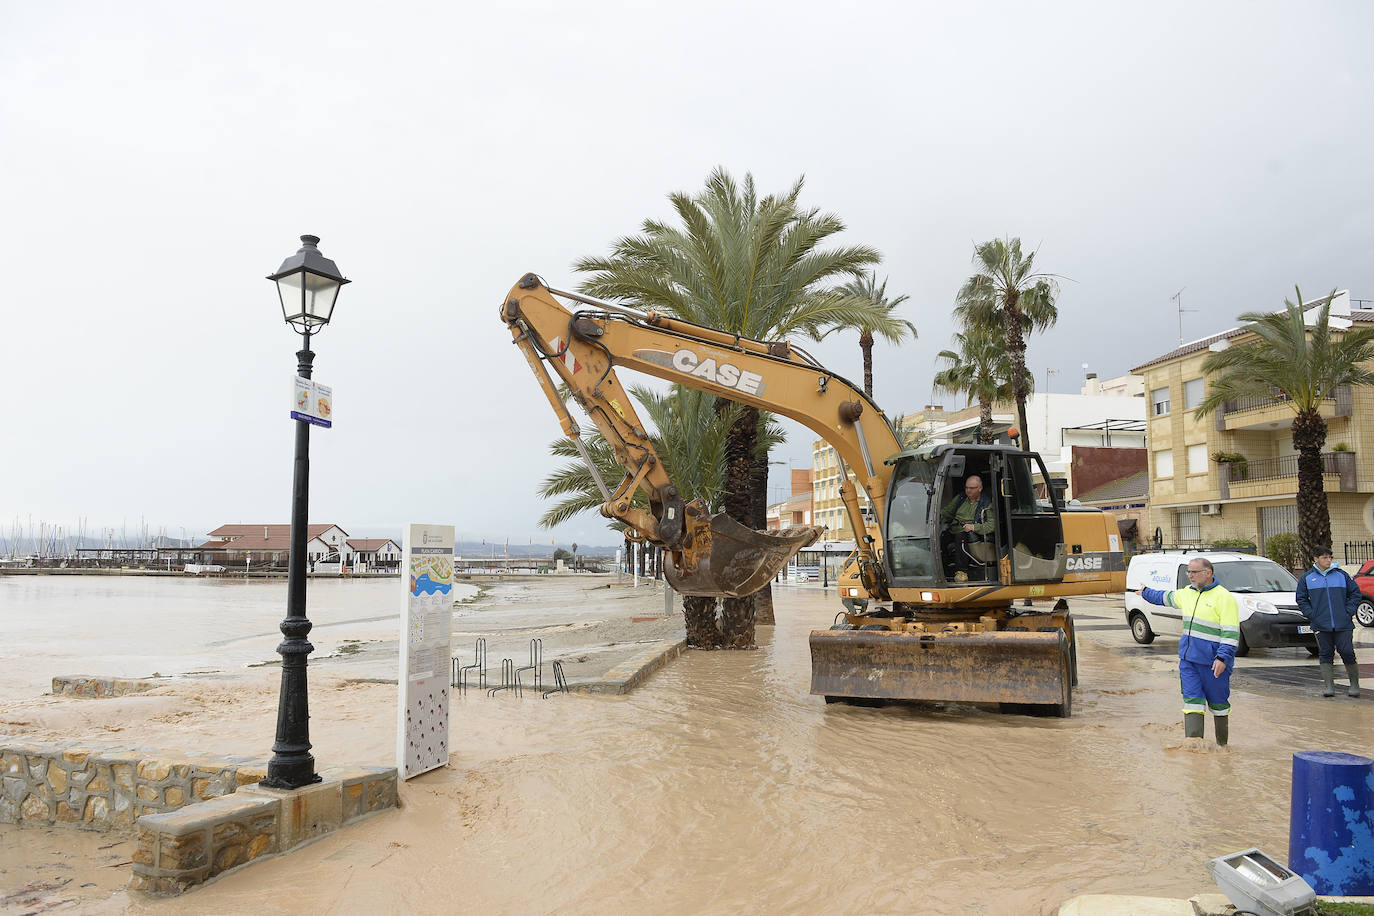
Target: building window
(1187,528)
(1192,393)
(1159,401)
(1164,463)
(1197,459)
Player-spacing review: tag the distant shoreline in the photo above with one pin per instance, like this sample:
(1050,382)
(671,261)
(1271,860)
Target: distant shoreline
(138,571)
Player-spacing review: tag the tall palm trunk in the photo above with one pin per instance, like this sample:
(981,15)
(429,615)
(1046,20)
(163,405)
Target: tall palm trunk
(984,421)
(758,519)
(703,629)
(1016,349)
(866,344)
(1314,519)
(737,614)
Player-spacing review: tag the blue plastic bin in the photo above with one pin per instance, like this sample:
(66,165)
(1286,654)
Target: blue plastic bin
(1331,822)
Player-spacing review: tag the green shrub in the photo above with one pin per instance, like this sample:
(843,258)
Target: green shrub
(1340,908)
(1285,550)
(1228,457)
(1341,447)
(1245,545)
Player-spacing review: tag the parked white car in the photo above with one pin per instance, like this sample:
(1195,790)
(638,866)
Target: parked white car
(1269,615)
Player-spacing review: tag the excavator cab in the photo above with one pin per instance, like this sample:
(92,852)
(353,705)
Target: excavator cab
(925,548)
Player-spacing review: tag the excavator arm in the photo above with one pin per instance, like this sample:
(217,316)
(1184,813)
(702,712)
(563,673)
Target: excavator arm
(707,555)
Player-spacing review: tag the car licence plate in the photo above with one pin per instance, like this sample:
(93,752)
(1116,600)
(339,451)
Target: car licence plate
(1304,628)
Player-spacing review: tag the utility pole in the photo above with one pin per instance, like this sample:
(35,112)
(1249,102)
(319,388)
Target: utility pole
(1178,298)
(1048,373)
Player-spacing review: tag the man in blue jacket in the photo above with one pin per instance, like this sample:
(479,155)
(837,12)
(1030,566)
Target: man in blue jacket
(1207,648)
(1328,597)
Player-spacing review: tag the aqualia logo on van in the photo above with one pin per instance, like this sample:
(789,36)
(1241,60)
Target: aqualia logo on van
(719,372)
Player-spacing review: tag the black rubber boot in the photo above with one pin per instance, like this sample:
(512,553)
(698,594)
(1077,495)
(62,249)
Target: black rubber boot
(1222,724)
(1192,725)
(1353,673)
(1328,680)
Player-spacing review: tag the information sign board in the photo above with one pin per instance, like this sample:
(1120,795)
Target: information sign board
(422,728)
(312,402)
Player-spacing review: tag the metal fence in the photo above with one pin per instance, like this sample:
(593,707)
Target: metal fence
(1357,552)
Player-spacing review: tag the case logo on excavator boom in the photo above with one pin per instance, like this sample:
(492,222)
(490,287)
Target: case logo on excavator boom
(727,375)
(1084,563)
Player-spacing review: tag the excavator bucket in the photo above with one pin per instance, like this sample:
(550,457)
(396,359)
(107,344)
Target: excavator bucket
(997,667)
(741,560)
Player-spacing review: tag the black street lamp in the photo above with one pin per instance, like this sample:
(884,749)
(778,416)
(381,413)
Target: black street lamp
(308,284)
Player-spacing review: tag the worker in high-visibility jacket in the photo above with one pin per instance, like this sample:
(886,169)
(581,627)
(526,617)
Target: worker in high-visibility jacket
(1207,648)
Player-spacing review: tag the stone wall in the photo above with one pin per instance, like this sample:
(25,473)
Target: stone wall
(80,685)
(181,849)
(95,787)
(194,818)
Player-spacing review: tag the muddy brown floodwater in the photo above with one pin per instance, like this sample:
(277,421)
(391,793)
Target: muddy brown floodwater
(723,786)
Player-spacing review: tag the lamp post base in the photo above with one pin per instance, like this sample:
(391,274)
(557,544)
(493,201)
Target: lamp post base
(292,773)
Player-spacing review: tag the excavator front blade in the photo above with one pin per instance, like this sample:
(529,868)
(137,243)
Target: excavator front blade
(741,560)
(996,667)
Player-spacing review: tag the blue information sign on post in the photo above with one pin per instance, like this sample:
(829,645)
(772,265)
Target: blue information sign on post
(312,402)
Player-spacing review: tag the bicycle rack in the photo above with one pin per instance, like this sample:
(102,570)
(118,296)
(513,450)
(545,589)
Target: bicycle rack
(536,663)
(560,682)
(510,679)
(479,664)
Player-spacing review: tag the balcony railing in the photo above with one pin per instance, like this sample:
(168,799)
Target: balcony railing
(1342,398)
(1263,469)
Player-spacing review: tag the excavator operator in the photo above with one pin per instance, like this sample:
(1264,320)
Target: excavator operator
(966,519)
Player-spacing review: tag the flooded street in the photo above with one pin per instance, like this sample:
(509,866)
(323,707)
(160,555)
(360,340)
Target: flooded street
(723,786)
(134,626)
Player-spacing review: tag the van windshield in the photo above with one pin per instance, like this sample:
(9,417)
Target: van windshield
(1254,576)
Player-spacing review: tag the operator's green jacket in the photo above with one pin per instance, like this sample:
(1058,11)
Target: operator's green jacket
(959,512)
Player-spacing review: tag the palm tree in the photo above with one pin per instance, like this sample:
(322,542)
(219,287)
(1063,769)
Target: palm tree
(867,289)
(1007,297)
(980,368)
(690,440)
(750,266)
(908,435)
(1303,365)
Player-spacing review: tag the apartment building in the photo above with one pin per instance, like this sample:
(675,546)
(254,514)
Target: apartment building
(1251,494)
(796,508)
(826,507)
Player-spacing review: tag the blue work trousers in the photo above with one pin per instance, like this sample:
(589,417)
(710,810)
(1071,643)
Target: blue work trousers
(1203,691)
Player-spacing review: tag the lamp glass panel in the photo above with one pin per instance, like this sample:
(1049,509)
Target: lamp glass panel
(289,288)
(320,293)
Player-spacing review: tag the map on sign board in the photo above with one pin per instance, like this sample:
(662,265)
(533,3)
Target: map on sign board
(312,402)
(426,629)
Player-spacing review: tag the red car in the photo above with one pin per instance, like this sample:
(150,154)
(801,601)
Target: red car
(1365,580)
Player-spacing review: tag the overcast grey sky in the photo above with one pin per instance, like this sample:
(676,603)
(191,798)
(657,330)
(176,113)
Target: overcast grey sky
(157,160)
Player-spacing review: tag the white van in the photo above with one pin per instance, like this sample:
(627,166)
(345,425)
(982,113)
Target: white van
(1269,615)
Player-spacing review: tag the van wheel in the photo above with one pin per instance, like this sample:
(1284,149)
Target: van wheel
(1365,613)
(1140,629)
(1242,647)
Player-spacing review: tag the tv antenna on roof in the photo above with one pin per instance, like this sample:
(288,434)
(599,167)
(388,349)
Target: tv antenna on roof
(1178,297)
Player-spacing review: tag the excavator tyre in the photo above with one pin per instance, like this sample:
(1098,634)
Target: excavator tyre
(741,560)
(1011,667)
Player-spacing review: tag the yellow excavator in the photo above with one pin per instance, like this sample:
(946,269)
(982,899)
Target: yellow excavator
(934,609)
